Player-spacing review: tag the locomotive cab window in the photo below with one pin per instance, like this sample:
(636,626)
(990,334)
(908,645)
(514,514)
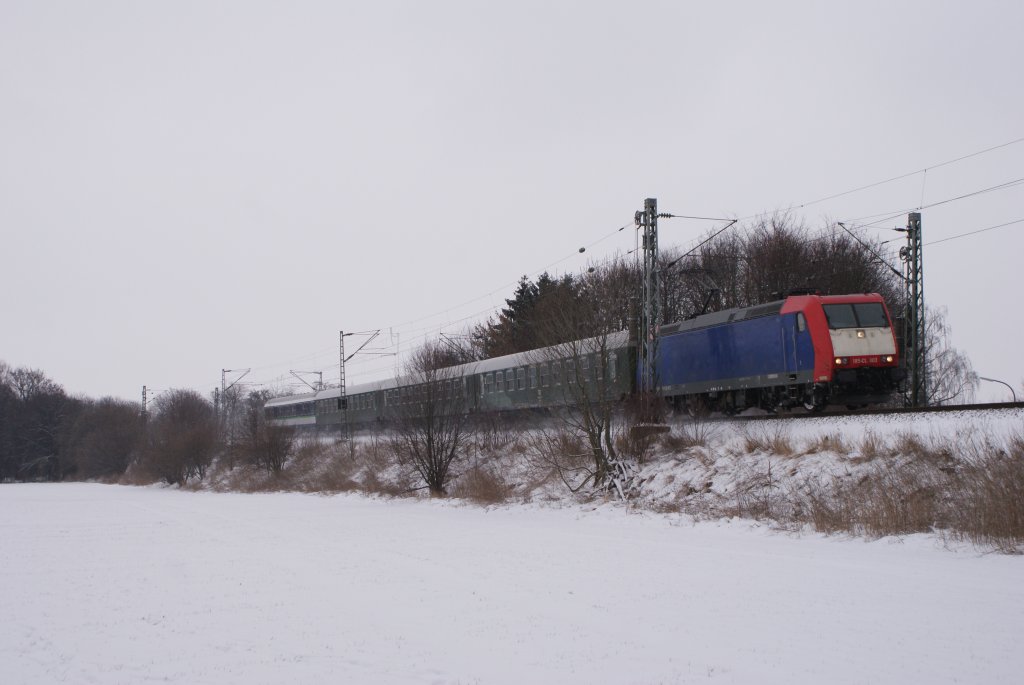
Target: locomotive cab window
(840,316)
(860,315)
(801,322)
(871,315)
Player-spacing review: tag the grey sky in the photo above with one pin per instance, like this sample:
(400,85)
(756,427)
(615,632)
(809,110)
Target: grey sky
(191,186)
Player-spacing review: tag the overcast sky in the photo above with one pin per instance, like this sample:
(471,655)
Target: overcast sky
(192,186)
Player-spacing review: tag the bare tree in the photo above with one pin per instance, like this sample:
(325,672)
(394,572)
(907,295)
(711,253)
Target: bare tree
(266,445)
(104,437)
(431,429)
(182,437)
(32,411)
(586,382)
(776,254)
(950,375)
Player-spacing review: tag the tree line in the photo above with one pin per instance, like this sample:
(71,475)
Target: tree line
(48,435)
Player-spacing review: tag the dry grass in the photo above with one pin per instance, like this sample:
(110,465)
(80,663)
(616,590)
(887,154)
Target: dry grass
(137,474)
(827,443)
(637,442)
(774,439)
(871,447)
(911,445)
(696,432)
(990,499)
(483,486)
(971,490)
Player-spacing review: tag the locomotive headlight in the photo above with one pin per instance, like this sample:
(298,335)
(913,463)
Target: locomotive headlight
(839,361)
(888,359)
(860,334)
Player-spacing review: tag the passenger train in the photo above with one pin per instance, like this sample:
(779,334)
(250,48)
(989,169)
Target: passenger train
(804,350)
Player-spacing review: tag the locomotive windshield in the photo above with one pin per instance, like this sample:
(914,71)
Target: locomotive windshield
(861,315)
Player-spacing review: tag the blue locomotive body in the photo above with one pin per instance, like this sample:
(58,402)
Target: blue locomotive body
(715,353)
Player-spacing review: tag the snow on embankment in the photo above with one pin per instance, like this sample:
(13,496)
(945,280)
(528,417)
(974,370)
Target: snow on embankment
(877,474)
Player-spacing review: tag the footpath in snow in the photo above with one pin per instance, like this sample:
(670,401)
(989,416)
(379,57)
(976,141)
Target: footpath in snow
(112,584)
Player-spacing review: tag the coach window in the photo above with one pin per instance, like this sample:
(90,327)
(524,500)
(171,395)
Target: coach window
(521,379)
(544,376)
(556,373)
(499,382)
(533,377)
(585,369)
(801,322)
(612,366)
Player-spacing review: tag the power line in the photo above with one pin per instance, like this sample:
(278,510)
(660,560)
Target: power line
(900,177)
(980,230)
(1000,186)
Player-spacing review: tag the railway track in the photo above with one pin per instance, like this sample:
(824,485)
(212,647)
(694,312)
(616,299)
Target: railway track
(800,414)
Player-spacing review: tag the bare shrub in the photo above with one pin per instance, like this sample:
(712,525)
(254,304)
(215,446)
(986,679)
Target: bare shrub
(432,430)
(564,452)
(374,484)
(256,440)
(496,431)
(637,441)
(483,486)
(756,495)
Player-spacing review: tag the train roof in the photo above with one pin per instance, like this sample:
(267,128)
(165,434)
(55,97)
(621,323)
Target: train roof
(615,340)
(724,316)
(791,303)
(291,399)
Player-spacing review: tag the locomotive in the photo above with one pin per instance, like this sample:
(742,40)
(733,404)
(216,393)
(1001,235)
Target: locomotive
(802,350)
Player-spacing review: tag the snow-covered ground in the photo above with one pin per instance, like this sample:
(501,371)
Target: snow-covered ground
(114,584)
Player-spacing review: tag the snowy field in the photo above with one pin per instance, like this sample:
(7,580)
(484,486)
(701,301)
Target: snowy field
(112,584)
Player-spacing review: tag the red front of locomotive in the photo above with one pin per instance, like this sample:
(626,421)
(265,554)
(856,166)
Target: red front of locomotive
(856,359)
